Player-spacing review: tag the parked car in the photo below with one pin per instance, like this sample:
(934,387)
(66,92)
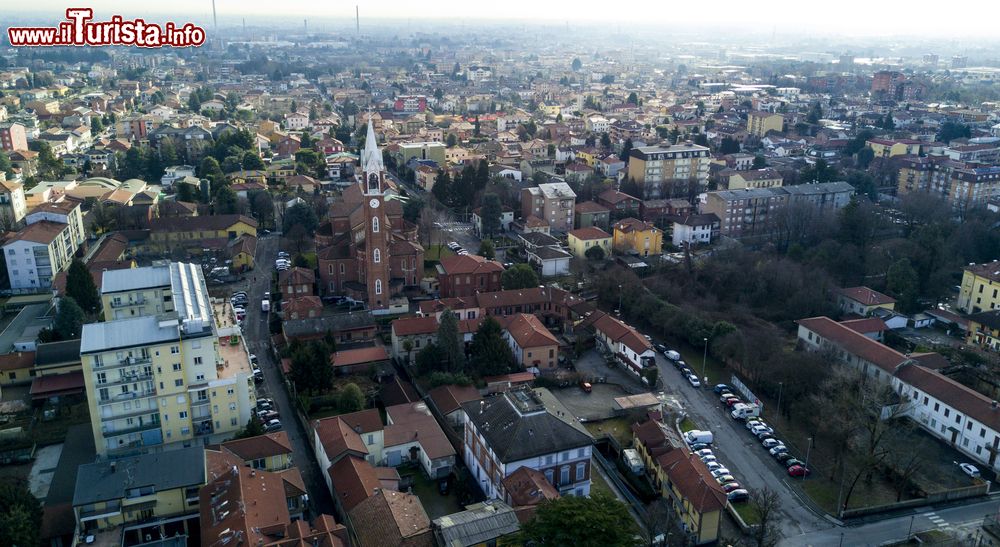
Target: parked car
(586,387)
(283,254)
(751,422)
(694,381)
(793,462)
(703,452)
(722,388)
(272,426)
(771,443)
(713,465)
(784,457)
(729,487)
(780,449)
(673,356)
(720,472)
(725,395)
(268,415)
(762,434)
(798,471)
(699,446)
(733,401)
(725,479)
(738,495)
(970,470)
(660,348)
(680,364)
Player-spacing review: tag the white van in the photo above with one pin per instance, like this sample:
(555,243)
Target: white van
(742,411)
(697,436)
(673,355)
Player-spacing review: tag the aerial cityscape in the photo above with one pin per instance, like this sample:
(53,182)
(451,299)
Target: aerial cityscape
(455,275)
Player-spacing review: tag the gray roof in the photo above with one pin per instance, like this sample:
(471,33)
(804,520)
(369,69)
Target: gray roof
(817,188)
(549,253)
(526,423)
(556,190)
(782,191)
(54,353)
(167,470)
(135,278)
(31,319)
(478,524)
(126,333)
(335,323)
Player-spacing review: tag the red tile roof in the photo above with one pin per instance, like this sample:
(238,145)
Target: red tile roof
(963,399)
(866,325)
(866,296)
(528,487)
(528,331)
(413,422)
(591,207)
(354,480)
(854,342)
(469,264)
(261,446)
(358,356)
(449,398)
(693,480)
(589,233)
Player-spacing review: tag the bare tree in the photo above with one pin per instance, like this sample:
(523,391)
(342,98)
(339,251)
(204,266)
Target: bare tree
(765,501)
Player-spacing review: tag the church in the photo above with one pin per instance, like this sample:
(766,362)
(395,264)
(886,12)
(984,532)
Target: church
(367,251)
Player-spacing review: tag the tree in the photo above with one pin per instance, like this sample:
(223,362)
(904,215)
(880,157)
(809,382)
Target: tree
(888,123)
(429,359)
(759,162)
(490,353)
(950,131)
(821,172)
(815,113)
(576,65)
(251,161)
(96,126)
(903,282)
(6,166)
(101,218)
(254,428)
(864,157)
(491,211)
(408,348)
(211,170)
(451,141)
(49,166)
(450,342)
(520,276)
(486,249)
(595,253)
(597,521)
(632,98)
(185,192)
(20,514)
(442,189)
(626,150)
(766,503)
(729,146)
(303,215)
(311,371)
(605,141)
(69,319)
(226,201)
(350,399)
(81,287)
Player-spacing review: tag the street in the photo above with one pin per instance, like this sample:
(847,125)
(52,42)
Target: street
(740,451)
(259,341)
(952,519)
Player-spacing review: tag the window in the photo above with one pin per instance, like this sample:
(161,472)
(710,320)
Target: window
(375,225)
(174,350)
(183,414)
(232,406)
(197,360)
(937,406)
(371,438)
(378,286)
(177,367)
(947,412)
(564,475)
(550,476)
(982,432)
(233,421)
(179,382)
(377,256)
(581,471)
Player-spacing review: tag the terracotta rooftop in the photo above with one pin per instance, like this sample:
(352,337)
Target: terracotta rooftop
(866,296)
(261,446)
(354,480)
(469,264)
(528,487)
(528,331)
(358,356)
(589,233)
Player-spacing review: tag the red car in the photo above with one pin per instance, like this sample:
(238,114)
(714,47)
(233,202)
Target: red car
(729,487)
(798,471)
(732,401)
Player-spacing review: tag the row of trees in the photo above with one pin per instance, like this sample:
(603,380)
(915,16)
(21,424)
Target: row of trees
(489,354)
(462,191)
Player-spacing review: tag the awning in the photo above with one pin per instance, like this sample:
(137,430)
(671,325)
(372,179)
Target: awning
(43,387)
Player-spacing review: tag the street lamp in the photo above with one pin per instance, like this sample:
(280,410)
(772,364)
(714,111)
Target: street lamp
(619,310)
(704,358)
(808,450)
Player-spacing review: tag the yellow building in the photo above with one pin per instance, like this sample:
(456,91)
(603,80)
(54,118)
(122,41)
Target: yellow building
(863,301)
(582,239)
(550,109)
(697,498)
(759,123)
(270,451)
(145,488)
(171,377)
(984,330)
(758,178)
(136,292)
(588,156)
(196,231)
(885,148)
(632,234)
(980,289)
(669,171)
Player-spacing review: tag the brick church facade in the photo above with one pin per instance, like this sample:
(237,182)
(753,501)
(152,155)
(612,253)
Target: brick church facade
(367,250)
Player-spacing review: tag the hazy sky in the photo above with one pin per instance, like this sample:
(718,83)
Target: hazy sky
(960,19)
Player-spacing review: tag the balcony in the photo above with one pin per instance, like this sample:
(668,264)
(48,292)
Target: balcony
(126,362)
(111,509)
(203,428)
(117,398)
(143,427)
(131,413)
(129,378)
(123,304)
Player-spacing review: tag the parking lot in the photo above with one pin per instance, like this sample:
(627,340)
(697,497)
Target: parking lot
(599,404)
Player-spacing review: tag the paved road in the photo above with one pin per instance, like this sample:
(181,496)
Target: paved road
(258,337)
(950,519)
(739,451)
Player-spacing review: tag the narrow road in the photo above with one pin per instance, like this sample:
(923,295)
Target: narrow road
(876,533)
(259,341)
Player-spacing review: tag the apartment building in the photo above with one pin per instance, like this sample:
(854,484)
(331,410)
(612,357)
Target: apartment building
(465,275)
(751,212)
(634,235)
(760,123)
(961,185)
(36,253)
(757,178)
(980,288)
(171,379)
(669,171)
(13,205)
(13,137)
(64,212)
(552,202)
(525,428)
(530,342)
(136,292)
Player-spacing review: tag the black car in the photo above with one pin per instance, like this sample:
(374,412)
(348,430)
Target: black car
(660,348)
(737,496)
(784,457)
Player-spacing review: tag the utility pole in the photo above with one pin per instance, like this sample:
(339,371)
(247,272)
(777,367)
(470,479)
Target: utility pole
(781,385)
(704,361)
(808,450)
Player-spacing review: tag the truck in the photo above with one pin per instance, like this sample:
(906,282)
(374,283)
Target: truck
(265,305)
(697,436)
(742,411)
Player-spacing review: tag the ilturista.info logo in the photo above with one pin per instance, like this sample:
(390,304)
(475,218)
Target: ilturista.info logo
(79,29)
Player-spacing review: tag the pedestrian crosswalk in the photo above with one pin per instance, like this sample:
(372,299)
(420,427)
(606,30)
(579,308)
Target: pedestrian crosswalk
(937,520)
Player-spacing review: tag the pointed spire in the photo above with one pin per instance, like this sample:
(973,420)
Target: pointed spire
(371,157)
